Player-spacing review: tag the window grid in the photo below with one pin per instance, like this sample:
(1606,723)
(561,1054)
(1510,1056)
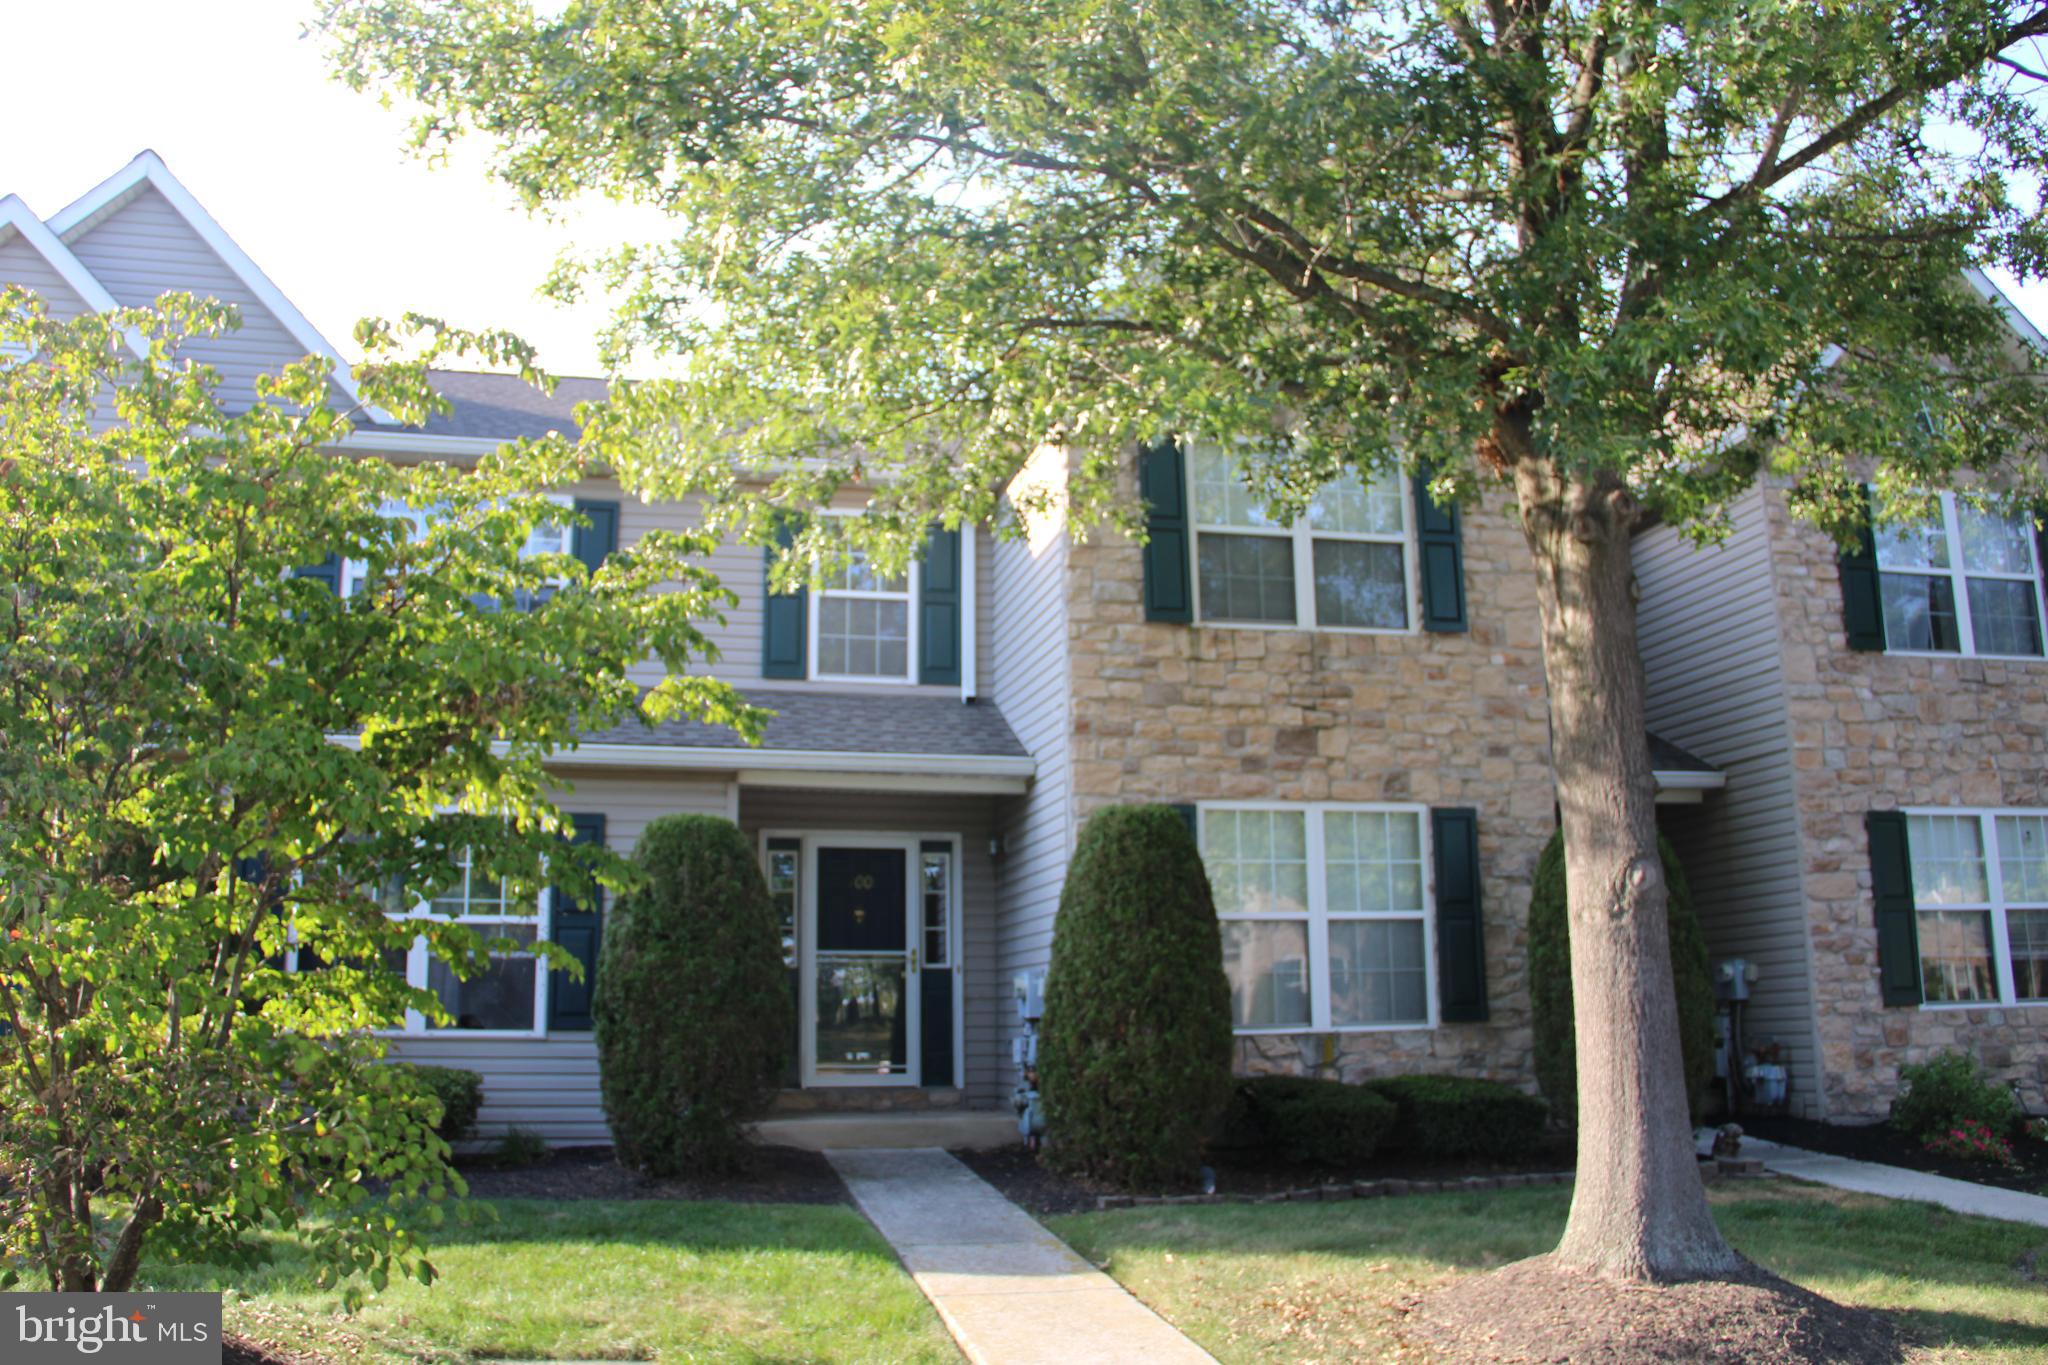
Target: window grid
(546,538)
(485,903)
(863,626)
(1981,905)
(1349,527)
(935,881)
(1239,859)
(785,872)
(1967,584)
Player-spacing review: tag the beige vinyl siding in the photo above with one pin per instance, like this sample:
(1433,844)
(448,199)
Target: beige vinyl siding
(21,264)
(1710,643)
(985,1039)
(144,249)
(549,1085)
(1030,683)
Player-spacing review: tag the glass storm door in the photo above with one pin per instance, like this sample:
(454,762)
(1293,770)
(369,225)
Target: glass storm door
(863,967)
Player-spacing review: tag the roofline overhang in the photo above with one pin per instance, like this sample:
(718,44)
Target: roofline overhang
(1010,773)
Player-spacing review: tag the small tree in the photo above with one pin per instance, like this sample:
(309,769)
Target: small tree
(1550,981)
(692,1007)
(213,765)
(1135,1061)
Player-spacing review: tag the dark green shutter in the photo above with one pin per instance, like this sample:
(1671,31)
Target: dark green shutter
(1862,603)
(579,927)
(1440,545)
(1898,928)
(1187,814)
(782,617)
(1460,935)
(1162,482)
(594,543)
(327,571)
(938,620)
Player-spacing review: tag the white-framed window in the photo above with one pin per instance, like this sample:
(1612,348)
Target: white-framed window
(864,624)
(510,995)
(785,888)
(1967,581)
(1982,920)
(1346,564)
(549,537)
(1326,914)
(935,902)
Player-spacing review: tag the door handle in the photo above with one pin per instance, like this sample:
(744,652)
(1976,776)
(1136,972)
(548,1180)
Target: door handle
(913,959)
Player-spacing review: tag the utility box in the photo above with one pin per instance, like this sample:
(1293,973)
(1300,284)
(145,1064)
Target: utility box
(1030,991)
(1733,978)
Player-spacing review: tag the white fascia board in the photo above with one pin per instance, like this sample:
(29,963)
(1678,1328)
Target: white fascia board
(15,215)
(1677,780)
(750,764)
(149,168)
(962,785)
(2022,326)
(419,443)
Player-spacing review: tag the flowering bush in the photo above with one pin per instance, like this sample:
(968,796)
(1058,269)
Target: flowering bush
(1971,1140)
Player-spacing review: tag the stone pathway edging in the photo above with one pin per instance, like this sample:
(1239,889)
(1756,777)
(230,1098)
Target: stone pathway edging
(1895,1182)
(1010,1292)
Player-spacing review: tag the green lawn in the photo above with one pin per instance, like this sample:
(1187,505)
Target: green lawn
(1311,1282)
(592,1280)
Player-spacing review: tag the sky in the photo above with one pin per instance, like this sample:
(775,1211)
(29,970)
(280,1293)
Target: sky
(312,179)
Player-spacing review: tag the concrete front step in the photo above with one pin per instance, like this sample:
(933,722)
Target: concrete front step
(840,1099)
(970,1129)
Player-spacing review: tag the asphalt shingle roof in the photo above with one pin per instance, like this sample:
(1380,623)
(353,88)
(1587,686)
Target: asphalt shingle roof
(505,407)
(841,723)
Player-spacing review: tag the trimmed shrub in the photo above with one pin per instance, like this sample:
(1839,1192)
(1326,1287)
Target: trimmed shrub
(460,1092)
(692,1007)
(1308,1121)
(1134,1058)
(1947,1091)
(1453,1117)
(1550,982)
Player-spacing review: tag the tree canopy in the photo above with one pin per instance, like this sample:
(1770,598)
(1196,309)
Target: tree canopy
(214,768)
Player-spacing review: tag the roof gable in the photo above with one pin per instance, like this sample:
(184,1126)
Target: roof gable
(32,255)
(141,233)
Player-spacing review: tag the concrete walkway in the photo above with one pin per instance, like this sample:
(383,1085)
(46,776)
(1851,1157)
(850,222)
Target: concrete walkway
(1010,1292)
(1867,1177)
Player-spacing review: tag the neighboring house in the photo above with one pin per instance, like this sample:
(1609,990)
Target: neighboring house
(1881,850)
(1351,712)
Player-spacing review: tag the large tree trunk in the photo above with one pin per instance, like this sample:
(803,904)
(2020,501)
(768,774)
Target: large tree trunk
(1639,1210)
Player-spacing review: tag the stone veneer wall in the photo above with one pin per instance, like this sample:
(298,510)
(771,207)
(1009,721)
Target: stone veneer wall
(1876,731)
(1191,713)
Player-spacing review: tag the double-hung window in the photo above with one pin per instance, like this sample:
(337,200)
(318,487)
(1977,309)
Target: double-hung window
(549,537)
(1344,564)
(1982,920)
(863,626)
(1325,914)
(506,996)
(1967,581)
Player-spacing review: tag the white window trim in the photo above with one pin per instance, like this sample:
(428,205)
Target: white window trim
(1302,537)
(1319,916)
(952,906)
(910,596)
(418,957)
(1958,579)
(1994,882)
(356,569)
(808,842)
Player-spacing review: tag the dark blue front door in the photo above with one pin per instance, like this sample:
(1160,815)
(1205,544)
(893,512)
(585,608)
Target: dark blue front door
(862,1025)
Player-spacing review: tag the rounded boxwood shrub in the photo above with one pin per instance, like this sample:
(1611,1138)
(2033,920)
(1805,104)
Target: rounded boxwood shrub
(1134,1059)
(692,1008)
(1307,1121)
(1948,1090)
(1454,1117)
(1550,982)
(460,1092)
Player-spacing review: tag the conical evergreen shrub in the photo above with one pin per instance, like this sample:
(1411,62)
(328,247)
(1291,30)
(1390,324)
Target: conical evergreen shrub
(692,1010)
(1134,1062)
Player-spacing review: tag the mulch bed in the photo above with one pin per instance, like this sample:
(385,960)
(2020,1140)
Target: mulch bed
(1022,1180)
(1882,1143)
(773,1175)
(236,1350)
(1536,1311)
